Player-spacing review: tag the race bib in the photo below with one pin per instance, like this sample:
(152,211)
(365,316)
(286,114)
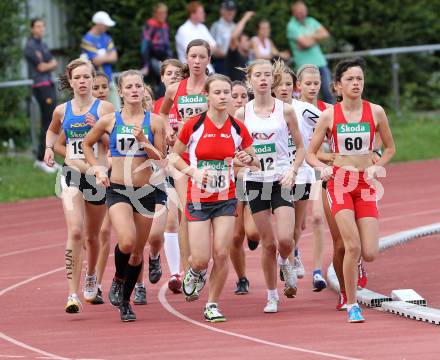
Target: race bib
(126,143)
(220,172)
(353,139)
(74,144)
(292,149)
(267,155)
(191,105)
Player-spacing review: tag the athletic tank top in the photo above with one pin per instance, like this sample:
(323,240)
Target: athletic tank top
(76,129)
(188,105)
(172,116)
(353,138)
(307,115)
(270,136)
(321,105)
(122,140)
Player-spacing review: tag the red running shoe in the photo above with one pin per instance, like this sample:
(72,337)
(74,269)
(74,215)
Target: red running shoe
(175,284)
(362,276)
(342,302)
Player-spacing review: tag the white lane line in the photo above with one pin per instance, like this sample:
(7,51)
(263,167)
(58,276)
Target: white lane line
(164,302)
(32,249)
(19,343)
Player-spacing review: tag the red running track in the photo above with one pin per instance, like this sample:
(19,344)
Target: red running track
(33,293)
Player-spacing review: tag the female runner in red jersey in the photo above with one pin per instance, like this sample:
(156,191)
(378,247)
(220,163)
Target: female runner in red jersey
(212,140)
(352,184)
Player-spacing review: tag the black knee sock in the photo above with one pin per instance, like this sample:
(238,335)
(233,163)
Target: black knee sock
(121,261)
(132,273)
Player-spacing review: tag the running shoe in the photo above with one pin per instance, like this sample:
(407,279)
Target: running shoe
(242,286)
(115,293)
(175,284)
(126,312)
(140,295)
(319,283)
(271,306)
(355,315)
(299,267)
(90,288)
(189,285)
(362,276)
(252,244)
(154,270)
(73,305)
(342,301)
(289,275)
(212,314)
(98,299)
(202,280)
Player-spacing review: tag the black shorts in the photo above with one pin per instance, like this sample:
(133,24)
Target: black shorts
(301,191)
(141,199)
(161,195)
(92,193)
(170,181)
(263,196)
(203,211)
(324,185)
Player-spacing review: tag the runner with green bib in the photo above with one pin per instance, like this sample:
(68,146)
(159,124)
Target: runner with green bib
(269,190)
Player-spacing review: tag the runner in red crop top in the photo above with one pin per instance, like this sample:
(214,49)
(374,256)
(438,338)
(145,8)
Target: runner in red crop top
(352,182)
(198,54)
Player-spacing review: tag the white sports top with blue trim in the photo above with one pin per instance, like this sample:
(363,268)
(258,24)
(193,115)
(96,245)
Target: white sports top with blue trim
(270,137)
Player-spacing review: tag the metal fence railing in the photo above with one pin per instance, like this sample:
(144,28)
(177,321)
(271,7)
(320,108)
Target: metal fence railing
(393,52)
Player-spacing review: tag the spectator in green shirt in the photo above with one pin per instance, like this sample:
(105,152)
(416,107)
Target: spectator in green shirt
(304,34)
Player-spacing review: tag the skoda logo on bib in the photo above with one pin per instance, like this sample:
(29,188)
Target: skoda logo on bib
(126,143)
(267,155)
(74,145)
(220,172)
(353,139)
(191,105)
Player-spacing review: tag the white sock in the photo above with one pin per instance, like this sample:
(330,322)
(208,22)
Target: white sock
(282,261)
(350,306)
(208,304)
(172,252)
(272,294)
(154,257)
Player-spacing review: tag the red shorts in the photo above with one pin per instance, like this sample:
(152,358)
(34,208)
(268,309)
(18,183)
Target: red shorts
(349,190)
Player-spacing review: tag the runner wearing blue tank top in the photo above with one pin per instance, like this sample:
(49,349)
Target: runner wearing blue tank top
(270,121)
(136,138)
(83,200)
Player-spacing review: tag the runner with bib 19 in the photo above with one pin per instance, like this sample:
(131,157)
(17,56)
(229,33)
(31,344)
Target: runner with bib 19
(352,186)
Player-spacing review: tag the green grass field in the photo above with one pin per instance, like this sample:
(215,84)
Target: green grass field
(416,139)
(20,180)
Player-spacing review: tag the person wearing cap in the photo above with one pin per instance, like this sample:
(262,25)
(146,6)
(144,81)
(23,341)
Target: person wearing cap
(41,63)
(221,31)
(98,47)
(194,28)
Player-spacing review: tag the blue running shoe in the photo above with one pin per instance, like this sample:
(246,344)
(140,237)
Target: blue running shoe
(355,315)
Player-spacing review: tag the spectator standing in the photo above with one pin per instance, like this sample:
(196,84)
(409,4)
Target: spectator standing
(193,29)
(155,44)
(221,31)
(98,47)
(304,34)
(238,53)
(262,46)
(41,63)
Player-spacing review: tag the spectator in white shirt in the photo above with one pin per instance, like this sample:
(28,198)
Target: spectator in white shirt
(192,29)
(221,31)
